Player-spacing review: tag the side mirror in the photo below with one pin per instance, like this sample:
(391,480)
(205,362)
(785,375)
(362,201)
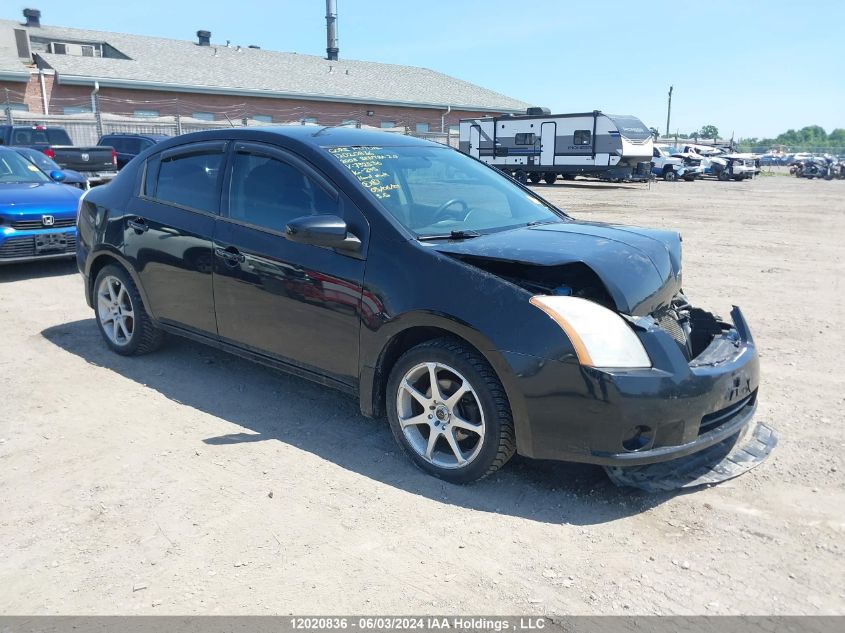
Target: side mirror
(58,176)
(322,230)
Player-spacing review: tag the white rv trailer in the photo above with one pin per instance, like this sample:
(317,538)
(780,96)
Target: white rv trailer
(539,145)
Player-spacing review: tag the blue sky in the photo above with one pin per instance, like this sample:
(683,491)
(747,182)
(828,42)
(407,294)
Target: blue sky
(754,68)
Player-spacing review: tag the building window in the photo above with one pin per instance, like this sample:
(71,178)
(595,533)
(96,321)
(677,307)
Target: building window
(262,118)
(524,138)
(422,127)
(77,109)
(454,128)
(350,122)
(203,116)
(388,124)
(146,113)
(582,137)
(308,119)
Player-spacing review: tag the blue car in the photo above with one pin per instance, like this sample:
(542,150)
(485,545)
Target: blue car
(37,214)
(49,166)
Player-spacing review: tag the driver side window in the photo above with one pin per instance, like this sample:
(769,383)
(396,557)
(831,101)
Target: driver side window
(268,192)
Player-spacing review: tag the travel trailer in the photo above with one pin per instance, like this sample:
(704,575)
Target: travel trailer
(539,145)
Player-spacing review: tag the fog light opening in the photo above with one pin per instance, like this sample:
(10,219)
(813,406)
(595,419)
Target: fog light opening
(638,438)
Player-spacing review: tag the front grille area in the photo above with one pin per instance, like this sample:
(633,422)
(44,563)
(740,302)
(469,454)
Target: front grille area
(723,416)
(28,225)
(668,322)
(15,247)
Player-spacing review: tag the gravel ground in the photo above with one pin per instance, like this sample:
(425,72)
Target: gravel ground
(192,482)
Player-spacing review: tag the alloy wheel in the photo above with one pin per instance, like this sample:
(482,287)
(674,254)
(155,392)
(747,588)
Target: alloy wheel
(440,415)
(115,311)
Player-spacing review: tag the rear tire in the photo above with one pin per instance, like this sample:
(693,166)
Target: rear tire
(121,317)
(549,178)
(473,430)
(534,177)
(520,176)
(723,175)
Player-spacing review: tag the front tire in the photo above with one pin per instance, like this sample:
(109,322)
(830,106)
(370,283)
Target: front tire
(449,412)
(121,317)
(670,176)
(550,178)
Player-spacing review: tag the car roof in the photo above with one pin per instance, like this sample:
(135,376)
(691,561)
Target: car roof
(309,135)
(157,137)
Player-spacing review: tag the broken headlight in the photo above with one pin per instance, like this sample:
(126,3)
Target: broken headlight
(601,337)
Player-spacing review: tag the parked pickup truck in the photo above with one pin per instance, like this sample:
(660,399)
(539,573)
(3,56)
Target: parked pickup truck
(98,164)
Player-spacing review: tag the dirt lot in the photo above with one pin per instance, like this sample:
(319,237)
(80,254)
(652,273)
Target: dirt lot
(144,485)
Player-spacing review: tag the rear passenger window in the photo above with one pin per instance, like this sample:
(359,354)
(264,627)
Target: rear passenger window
(269,192)
(582,137)
(188,179)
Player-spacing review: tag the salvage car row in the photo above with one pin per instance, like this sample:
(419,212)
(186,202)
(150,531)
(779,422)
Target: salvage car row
(541,146)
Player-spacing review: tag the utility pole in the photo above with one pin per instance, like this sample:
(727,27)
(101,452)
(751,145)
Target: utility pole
(669,110)
(8,109)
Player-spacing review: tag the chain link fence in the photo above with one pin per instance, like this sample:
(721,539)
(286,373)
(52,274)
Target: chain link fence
(86,128)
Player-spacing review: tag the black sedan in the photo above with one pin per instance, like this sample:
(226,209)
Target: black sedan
(478,317)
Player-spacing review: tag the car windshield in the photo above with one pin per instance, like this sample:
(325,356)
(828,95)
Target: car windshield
(14,168)
(436,191)
(40,159)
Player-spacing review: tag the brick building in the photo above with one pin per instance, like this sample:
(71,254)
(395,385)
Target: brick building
(56,70)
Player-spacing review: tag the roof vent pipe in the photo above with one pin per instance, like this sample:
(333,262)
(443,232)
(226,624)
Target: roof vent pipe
(331,30)
(204,38)
(33,17)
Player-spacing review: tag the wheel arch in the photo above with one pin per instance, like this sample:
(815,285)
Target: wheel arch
(416,329)
(100,260)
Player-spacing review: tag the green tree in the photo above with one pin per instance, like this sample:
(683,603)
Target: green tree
(654,132)
(837,137)
(709,131)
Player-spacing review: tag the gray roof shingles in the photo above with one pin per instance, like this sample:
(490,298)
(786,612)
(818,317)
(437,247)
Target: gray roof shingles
(180,64)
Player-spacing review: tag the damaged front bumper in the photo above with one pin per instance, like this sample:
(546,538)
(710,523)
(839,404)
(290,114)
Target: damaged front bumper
(641,416)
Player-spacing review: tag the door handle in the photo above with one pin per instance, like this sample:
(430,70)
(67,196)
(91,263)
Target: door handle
(230,255)
(138,225)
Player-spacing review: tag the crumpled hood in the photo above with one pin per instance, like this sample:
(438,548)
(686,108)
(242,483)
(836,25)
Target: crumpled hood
(25,199)
(641,268)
